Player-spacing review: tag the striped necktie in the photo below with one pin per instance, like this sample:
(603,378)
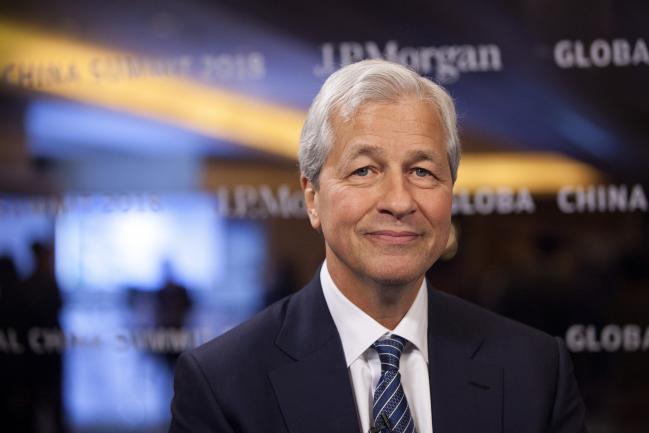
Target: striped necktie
(390,411)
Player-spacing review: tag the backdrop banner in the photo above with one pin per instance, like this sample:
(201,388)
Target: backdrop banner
(150,199)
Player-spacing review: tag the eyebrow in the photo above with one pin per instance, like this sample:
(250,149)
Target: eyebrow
(377,151)
(365,150)
(421,155)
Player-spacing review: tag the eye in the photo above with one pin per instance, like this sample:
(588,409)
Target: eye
(363,171)
(422,172)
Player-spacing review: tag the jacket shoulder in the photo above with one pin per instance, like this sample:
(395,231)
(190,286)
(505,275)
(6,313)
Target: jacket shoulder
(245,342)
(498,331)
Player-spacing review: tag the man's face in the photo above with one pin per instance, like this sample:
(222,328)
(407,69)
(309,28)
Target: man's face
(385,194)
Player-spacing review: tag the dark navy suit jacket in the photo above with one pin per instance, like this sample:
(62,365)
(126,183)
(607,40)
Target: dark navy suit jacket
(284,371)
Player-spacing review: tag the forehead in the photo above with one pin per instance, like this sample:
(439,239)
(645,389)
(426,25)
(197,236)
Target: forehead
(399,125)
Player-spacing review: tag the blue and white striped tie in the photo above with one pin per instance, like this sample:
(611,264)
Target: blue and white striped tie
(390,411)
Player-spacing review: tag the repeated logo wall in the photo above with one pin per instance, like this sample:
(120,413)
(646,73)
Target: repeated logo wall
(149,197)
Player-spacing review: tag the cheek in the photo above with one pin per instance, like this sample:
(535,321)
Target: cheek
(438,209)
(347,205)
(443,209)
(341,213)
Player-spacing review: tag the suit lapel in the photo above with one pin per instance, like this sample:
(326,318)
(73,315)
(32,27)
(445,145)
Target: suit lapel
(314,392)
(466,393)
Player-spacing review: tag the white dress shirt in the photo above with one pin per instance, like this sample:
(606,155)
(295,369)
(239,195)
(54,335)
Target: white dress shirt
(358,331)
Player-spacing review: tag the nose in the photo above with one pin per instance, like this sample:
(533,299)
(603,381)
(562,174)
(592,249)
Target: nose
(396,197)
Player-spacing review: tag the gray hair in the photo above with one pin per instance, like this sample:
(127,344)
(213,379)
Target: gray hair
(369,81)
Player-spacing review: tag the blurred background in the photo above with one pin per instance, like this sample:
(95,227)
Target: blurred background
(149,196)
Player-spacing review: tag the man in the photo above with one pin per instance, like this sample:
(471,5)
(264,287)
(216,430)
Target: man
(367,346)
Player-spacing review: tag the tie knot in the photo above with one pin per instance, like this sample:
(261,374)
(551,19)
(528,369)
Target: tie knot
(389,350)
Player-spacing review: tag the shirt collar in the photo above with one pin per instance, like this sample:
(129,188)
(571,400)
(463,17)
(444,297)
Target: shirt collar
(358,330)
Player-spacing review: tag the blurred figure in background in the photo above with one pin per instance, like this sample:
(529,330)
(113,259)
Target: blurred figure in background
(31,373)
(15,401)
(43,301)
(172,305)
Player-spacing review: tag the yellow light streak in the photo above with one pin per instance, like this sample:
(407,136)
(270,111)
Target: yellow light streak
(226,115)
(540,172)
(214,112)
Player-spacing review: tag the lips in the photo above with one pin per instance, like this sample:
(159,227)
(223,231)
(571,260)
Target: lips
(399,237)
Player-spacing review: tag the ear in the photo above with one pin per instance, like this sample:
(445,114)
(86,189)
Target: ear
(310,201)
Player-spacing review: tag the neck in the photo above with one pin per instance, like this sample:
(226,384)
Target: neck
(385,302)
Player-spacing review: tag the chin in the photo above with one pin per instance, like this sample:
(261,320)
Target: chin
(396,275)
(394,281)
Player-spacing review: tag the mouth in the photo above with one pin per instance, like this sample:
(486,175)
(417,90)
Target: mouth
(401,237)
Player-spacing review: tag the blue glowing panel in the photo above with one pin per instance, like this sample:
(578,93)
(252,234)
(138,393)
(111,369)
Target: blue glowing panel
(66,129)
(110,251)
